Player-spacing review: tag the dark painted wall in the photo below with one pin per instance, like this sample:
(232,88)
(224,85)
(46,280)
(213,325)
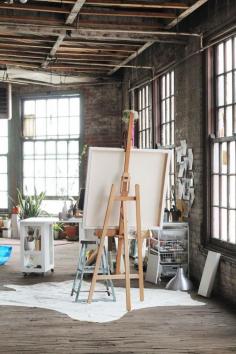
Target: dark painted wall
(190,118)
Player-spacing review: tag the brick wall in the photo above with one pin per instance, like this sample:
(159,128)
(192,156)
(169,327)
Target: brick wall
(190,118)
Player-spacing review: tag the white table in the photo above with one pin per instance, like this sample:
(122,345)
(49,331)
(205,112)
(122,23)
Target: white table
(38,256)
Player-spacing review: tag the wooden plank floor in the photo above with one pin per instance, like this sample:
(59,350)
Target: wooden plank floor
(204,329)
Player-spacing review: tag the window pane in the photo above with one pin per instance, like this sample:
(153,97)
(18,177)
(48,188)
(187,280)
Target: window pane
(63,107)
(73,186)
(221,123)
(232,166)
(73,147)
(228,55)
(224,224)
(40,185)
(224,158)
(50,147)
(52,108)
(215,166)
(163,112)
(51,187)
(172,83)
(4,127)
(62,147)
(3,146)
(168,85)
(29,107)
(52,127)
(28,169)
(229,88)
(3,200)
(163,89)
(28,148)
(229,121)
(3,164)
(221,91)
(73,168)
(215,223)
(74,106)
(50,168)
(216,190)
(3,182)
(28,187)
(220,59)
(224,193)
(39,168)
(232,226)
(61,168)
(232,195)
(168,110)
(74,126)
(40,127)
(40,108)
(62,186)
(39,148)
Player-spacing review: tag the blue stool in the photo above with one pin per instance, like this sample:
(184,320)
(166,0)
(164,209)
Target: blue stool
(5,254)
(82,269)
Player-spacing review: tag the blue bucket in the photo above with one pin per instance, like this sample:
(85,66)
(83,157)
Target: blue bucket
(5,254)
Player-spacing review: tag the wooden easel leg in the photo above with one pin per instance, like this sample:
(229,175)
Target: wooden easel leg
(101,246)
(119,255)
(140,242)
(120,240)
(127,267)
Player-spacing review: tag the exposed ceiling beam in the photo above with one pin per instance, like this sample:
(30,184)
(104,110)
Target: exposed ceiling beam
(69,20)
(32,21)
(135,32)
(186,13)
(54,49)
(35,30)
(29,7)
(28,45)
(143,14)
(138,27)
(74,11)
(139,4)
(100,49)
(131,57)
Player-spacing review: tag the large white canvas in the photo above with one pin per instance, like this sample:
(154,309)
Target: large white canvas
(148,168)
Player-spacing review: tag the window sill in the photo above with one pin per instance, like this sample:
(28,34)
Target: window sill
(226,256)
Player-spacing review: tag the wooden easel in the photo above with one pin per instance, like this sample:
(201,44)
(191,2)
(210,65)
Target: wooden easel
(122,231)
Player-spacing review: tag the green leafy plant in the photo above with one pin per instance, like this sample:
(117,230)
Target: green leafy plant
(83,153)
(58,227)
(30,206)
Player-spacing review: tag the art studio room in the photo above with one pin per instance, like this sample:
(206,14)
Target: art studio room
(117,176)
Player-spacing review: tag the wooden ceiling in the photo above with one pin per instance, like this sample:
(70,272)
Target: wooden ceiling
(85,37)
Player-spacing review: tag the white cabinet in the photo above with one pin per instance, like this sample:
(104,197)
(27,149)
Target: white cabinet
(37,245)
(169,249)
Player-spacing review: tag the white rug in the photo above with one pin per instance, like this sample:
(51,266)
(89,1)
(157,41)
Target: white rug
(56,296)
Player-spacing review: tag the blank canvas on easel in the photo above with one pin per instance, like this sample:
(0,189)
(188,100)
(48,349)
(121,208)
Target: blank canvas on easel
(148,167)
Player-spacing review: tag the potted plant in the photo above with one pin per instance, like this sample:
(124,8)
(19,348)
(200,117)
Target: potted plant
(30,240)
(30,206)
(56,229)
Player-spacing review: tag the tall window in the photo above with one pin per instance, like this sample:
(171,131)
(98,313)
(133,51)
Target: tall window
(167,128)
(51,129)
(145,117)
(223,170)
(3,163)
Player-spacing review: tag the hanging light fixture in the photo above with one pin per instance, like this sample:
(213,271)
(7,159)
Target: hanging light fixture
(14,1)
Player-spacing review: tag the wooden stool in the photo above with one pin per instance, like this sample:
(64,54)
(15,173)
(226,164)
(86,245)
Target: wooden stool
(84,268)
